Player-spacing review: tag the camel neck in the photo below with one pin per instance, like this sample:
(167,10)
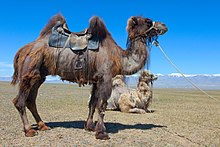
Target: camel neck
(135,56)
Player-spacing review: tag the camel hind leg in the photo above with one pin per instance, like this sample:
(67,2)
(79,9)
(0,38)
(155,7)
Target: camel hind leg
(28,88)
(127,104)
(31,105)
(20,104)
(129,109)
(89,125)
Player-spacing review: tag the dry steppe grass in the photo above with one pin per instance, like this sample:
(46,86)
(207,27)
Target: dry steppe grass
(181,118)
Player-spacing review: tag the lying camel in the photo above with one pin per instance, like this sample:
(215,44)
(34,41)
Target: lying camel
(132,100)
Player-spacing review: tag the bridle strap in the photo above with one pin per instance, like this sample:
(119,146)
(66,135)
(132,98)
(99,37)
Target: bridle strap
(144,34)
(152,27)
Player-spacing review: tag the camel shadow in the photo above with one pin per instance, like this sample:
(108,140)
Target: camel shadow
(116,127)
(111,127)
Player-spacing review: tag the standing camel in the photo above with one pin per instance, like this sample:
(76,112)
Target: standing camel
(36,60)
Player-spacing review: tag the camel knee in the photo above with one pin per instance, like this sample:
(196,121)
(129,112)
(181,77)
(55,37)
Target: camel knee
(19,104)
(102,105)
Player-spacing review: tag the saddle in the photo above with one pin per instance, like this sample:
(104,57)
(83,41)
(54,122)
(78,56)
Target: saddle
(63,38)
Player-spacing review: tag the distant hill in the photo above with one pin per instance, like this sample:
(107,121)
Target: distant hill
(204,81)
(50,79)
(5,78)
(174,80)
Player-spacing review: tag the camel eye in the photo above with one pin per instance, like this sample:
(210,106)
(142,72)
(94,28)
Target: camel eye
(149,22)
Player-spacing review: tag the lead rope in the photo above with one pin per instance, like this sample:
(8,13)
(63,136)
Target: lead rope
(156,43)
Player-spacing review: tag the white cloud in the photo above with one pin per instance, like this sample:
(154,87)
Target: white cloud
(4,65)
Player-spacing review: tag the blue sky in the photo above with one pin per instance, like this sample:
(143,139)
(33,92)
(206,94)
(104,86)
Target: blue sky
(192,42)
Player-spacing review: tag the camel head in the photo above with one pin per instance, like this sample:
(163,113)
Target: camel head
(139,26)
(147,77)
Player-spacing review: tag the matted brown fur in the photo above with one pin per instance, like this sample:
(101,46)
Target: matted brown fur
(26,50)
(36,60)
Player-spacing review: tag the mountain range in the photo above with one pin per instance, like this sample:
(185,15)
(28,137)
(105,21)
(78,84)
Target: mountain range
(174,80)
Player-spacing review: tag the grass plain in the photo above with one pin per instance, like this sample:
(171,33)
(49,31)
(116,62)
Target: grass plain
(181,118)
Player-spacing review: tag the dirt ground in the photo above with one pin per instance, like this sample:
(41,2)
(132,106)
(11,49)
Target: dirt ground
(181,118)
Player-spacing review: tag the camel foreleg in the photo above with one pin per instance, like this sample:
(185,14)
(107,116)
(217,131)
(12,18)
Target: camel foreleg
(104,89)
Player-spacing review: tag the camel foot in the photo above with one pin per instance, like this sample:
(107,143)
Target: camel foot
(89,126)
(42,126)
(137,110)
(102,136)
(30,133)
(149,111)
(142,112)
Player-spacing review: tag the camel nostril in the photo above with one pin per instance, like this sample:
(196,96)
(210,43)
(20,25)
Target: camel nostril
(165,29)
(162,28)
(162,31)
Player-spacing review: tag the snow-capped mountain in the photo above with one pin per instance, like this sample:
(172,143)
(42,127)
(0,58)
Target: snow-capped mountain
(176,80)
(5,78)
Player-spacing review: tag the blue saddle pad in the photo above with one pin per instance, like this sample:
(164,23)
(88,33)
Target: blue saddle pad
(58,40)
(93,43)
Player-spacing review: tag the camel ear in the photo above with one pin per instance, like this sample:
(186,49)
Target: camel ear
(135,21)
(132,21)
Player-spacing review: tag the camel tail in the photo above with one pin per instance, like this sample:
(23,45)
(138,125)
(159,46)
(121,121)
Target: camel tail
(14,78)
(97,28)
(15,74)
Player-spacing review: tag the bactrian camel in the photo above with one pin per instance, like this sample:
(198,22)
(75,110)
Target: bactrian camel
(132,100)
(36,60)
